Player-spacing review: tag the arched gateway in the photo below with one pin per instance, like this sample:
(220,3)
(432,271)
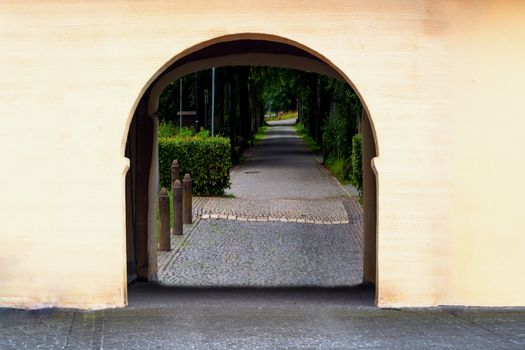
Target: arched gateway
(433,77)
(240,49)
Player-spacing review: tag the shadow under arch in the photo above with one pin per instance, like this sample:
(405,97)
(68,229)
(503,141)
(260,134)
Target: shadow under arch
(139,143)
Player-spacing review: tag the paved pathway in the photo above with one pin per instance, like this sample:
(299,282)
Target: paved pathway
(291,318)
(281,181)
(272,236)
(281,167)
(271,254)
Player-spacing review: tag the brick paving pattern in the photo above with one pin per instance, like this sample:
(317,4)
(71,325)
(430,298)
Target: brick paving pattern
(326,211)
(198,204)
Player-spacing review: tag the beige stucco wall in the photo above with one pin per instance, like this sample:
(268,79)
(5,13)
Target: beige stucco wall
(442,81)
(488,240)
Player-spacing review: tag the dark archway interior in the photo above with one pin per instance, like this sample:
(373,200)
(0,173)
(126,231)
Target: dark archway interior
(242,47)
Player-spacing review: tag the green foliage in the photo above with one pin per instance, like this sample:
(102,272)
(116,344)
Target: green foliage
(206,159)
(167,130)
(338,168)
(168,103)
(328,110)
(305,135)
(279,87)
(171,130)
(357,162)
(336,138)
(203,133)
(169,100)
(259,135)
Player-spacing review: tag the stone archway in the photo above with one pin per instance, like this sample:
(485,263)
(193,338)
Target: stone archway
(141,148)
(72,71)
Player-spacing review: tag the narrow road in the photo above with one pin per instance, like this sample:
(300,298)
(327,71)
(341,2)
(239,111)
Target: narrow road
(289,224)
(281,167)
(281,180)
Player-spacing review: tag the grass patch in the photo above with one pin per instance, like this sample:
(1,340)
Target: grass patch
(261,133)
(337,168)
(287,115)
(310,142)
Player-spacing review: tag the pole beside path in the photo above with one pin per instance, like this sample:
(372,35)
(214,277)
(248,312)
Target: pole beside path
(164,211)
(177,208)
(186,198)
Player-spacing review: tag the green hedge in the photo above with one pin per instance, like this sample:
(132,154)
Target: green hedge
(206,159)
(357,162)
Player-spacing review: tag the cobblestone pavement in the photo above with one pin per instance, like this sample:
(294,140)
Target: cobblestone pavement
(291,318)
(281,180)
(270,254)
(274,240)
(326,211)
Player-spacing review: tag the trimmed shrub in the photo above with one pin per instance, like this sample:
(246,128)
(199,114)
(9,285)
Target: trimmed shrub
(357,162)
(206,159)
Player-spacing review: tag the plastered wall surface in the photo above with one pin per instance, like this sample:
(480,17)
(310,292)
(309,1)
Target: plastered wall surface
(442,82)
(488,247)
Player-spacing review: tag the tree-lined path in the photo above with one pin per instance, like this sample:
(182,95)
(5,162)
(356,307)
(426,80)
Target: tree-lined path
(281,167)
(280,180)
(288,222)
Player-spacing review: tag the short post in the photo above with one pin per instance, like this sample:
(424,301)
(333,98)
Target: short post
(177,208)
(186,198)
(174,171)
(164,210)
(174,176)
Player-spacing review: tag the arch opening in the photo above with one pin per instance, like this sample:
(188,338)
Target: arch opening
(141,148)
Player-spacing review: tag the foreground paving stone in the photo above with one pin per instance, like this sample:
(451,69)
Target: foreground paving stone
(285,318)
(264,254)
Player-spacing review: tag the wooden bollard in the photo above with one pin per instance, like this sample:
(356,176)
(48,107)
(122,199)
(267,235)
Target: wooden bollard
(174,176)
(174,171)
(186,198)
(164,210)
(177,208)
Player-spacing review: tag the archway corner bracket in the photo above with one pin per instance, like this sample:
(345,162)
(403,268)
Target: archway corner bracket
(376,164)
(125,165)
